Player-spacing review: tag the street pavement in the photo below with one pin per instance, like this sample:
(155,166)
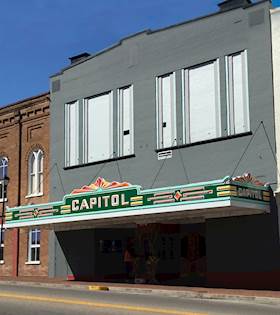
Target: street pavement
(27,300)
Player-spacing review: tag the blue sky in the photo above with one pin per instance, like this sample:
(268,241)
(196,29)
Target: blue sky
(38,36)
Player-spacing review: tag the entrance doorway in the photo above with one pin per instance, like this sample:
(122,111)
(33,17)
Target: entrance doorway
(172,254)
(193,258)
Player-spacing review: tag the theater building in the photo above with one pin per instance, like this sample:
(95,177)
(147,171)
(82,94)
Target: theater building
(165,147)
(24,160)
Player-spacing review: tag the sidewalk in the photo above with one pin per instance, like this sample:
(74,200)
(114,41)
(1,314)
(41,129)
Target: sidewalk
(258,296)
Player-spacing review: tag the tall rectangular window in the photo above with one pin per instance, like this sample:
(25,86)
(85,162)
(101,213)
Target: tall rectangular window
(3,190)
(237,93)
(98,125)
(72,134)
(201,100)
(125,121)
(2,246)
(3,178)
(166,111)
(34,241)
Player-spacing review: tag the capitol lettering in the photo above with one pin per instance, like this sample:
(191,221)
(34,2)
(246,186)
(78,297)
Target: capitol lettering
(99,202)
(249,193)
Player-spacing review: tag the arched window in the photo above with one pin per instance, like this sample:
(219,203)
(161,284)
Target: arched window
(36,172)
(3,167)
(3,176)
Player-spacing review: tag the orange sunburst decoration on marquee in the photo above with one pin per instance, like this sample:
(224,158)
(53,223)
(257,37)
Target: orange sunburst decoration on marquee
(100,183)
(248,178)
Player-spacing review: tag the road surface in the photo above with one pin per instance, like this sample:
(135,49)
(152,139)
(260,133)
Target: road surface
(25,300)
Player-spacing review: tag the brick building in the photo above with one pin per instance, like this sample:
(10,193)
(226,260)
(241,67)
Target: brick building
(24,156)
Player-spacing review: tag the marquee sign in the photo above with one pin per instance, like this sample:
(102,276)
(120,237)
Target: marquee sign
(103,196)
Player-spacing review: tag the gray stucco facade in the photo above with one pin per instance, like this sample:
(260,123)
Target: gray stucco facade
(138,60)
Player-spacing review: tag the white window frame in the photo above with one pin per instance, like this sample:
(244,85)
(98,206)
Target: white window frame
(229,92)
(38,156)
(67,142)
(3,189)
(121,118)
(186,103)
(85,126)
(2,244)
(33,246)
(4,164)
(159,114)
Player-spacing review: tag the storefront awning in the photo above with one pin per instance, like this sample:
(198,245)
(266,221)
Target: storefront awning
(120,203)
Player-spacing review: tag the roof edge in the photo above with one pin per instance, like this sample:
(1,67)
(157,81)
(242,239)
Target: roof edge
(119,43)
(5,108)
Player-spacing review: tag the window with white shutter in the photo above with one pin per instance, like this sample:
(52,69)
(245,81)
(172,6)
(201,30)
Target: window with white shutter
(125,121)
(201,102)
(237,93)
(72,134)
(98,127)
(166,111)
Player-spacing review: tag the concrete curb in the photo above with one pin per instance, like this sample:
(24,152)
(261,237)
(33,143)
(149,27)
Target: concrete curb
(198,295)
(158,292)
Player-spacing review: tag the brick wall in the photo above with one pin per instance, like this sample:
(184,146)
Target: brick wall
(24,127)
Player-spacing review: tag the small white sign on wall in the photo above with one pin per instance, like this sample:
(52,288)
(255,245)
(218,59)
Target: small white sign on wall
(165,155)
